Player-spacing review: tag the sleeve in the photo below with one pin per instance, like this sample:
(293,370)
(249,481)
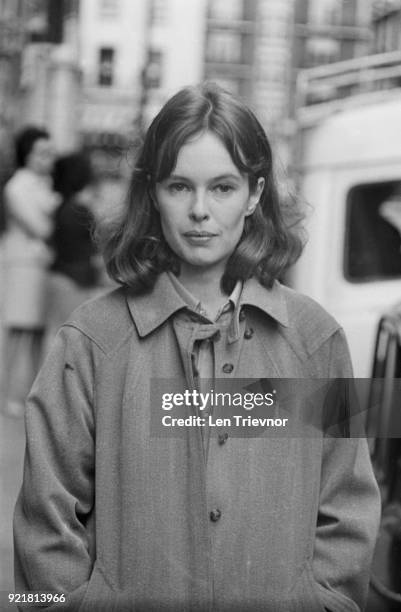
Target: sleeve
(54,515)
(35,221)
(349,511)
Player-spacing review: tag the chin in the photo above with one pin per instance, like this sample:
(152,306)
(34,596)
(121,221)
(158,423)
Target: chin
(200,264)
(201,260)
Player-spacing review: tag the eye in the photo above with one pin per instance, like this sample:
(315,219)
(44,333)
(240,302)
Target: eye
(178,187)
(223,188)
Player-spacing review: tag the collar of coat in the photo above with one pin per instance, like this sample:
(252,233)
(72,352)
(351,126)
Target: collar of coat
(151,310)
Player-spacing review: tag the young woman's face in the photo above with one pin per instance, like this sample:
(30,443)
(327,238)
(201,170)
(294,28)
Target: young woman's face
(41,156)
(203,204)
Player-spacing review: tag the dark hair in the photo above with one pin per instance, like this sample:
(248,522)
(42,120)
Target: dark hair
(71,174)
(25,140)
(135,250)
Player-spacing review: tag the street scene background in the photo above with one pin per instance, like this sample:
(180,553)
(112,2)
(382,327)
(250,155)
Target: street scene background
(323,77)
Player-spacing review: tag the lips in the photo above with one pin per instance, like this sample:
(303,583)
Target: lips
(196,234)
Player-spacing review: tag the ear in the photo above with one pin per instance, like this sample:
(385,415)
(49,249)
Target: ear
(254,197)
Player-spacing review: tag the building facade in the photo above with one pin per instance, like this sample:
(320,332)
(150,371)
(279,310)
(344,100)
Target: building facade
(230,35)
(12,39)
(248,51)
(133,56)
(329,31)
(273,59)
(174,51)
(111,40)
(386,23)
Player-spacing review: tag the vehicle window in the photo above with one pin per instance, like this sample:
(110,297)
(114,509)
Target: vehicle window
(373,232)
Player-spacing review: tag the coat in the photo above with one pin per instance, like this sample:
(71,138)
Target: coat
(30,204)
(119,519)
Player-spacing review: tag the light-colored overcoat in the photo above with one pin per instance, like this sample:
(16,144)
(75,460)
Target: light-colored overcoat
(123,520)
(30,204)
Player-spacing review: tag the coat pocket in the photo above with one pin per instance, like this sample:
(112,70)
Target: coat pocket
(304,596)
(99,596)
(335,601)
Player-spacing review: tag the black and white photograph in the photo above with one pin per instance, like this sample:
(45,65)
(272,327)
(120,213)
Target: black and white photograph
(200,305)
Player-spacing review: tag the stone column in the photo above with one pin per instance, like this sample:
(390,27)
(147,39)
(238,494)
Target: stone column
(64,98)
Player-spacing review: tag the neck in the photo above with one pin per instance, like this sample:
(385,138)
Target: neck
(204,285)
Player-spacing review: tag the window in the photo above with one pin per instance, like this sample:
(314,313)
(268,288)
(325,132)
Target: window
(224,46)
(373,232)
(153,71)
(106,66)
(301,11)
(322,51)
(226,9)
(159,11)
(10,9)
(348,12)
(109,9)
(387,31)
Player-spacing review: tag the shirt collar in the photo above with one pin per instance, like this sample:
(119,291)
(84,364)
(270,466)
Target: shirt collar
(271,301)
(152,309)
(186,295)
(195,304)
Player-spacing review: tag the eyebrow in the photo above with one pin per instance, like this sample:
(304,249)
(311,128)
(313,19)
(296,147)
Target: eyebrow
(221,177)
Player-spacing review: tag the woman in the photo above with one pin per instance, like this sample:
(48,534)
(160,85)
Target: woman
(120,515)
(30,204)
(75,272)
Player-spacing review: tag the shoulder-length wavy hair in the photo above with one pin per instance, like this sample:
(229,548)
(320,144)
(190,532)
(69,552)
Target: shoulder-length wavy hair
(135,250)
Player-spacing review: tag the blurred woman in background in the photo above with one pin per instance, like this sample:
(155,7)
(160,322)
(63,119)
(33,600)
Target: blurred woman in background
(30,204)
(76,270)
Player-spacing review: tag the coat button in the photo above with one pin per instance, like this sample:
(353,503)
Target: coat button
(241,314)
(215,515)
(222,438)
(227,368)
(248,333)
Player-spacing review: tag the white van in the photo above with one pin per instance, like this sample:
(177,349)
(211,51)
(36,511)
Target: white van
(349,164)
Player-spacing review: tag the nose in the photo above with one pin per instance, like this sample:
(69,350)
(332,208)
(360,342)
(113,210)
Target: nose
(199,207)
